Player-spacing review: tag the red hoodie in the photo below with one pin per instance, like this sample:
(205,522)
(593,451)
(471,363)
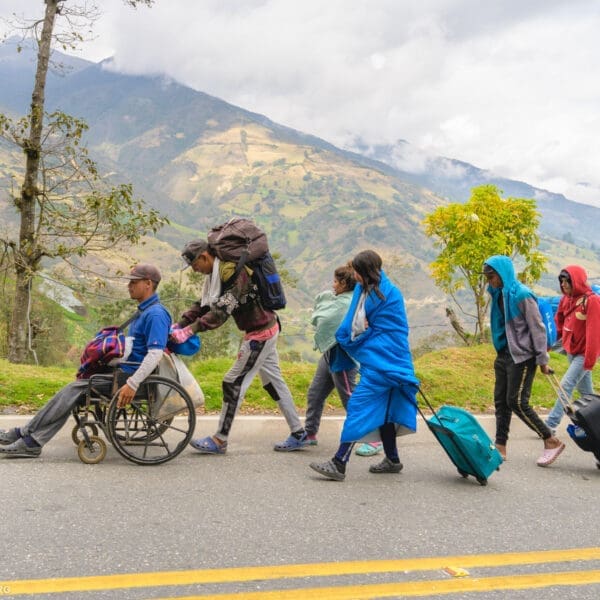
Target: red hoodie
(578,318)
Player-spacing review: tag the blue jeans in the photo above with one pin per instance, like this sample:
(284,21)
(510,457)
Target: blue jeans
(575,377)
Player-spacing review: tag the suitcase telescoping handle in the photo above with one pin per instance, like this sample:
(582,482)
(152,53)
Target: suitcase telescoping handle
(560,392)
(428,406)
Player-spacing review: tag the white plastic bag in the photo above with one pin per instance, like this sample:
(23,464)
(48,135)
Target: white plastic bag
(172,367)
(188,381)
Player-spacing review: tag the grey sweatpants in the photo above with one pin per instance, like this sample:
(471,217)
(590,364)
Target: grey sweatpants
(323,383)
(255,358)
(54,414)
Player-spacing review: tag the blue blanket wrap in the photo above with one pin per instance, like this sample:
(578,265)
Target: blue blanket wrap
(386,392)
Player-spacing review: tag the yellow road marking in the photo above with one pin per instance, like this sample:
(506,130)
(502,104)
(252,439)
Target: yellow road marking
(415,588)
(239,574)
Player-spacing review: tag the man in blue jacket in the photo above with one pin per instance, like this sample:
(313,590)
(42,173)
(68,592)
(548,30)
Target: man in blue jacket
(519,337)
(150,331)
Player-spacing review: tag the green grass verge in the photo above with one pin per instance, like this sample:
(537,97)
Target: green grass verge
(27,388)
(456,376)
(465,377)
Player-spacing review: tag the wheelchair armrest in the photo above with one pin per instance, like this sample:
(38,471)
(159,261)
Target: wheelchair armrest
(100,377)
(114,379)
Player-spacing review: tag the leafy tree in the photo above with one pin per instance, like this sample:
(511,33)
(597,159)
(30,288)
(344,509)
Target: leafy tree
(65,208)
(469,233)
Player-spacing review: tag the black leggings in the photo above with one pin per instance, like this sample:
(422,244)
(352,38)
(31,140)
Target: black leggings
(388,437)
(512,391)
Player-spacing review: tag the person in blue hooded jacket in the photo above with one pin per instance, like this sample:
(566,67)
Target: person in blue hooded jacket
(519,337)
(374,333)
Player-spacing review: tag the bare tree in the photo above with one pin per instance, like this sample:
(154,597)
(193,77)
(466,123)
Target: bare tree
(62,210)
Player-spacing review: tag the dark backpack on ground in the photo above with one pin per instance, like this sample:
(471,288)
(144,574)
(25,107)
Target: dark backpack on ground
(243,242)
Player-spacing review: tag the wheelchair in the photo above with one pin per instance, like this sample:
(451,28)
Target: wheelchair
(152,429)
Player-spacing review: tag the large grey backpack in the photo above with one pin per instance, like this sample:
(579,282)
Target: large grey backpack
(230,240)
(243,242)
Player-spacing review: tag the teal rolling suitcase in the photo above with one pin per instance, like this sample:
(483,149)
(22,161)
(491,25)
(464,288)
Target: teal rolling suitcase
(466,443)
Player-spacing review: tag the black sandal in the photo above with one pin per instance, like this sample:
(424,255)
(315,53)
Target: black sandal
(386,466)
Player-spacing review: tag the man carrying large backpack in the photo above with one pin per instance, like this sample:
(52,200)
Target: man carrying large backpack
(223,297)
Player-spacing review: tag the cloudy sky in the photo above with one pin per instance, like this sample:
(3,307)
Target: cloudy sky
(511,86)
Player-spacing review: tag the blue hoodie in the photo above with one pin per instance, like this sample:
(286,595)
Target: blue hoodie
(520,326)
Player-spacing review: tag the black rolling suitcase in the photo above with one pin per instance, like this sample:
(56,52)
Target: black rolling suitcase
(466,443)
(584,413)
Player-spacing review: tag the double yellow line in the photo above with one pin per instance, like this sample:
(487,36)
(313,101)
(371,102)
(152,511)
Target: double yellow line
(353,592)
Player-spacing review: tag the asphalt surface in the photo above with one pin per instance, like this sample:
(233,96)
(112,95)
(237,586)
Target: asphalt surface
(256,507)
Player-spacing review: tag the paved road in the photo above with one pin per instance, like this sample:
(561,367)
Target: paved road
(257,508)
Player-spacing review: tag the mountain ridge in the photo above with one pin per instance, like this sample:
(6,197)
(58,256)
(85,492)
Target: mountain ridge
(200,160)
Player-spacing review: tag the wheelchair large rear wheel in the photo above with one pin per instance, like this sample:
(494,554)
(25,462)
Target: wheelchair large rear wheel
(156,425)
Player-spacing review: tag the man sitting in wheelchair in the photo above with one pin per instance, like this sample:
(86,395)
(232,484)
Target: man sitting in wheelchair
(150,331)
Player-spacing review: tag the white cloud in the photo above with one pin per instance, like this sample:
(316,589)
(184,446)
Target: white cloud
(409,158)
(507,86)
(450,169)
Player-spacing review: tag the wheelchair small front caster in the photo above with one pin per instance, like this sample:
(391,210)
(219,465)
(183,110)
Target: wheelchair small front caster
(77,436)
(92,453)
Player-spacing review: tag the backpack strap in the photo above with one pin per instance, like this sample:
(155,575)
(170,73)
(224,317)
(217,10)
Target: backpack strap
(238,269)
(585,301)
(135,315)
(583,305)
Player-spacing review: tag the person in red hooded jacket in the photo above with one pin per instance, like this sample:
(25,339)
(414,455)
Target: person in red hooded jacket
(578,325)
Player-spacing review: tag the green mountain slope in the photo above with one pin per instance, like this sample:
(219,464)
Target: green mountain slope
(200,160)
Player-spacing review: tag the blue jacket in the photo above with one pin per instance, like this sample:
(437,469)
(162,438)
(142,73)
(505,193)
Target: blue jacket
(520,327)
(150,330)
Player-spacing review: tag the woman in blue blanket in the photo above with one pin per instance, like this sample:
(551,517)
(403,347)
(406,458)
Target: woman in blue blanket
(375,334)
